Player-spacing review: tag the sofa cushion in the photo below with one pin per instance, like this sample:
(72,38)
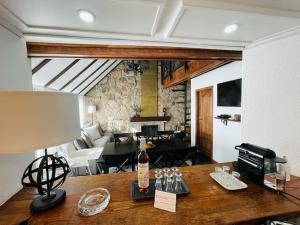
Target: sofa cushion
(93,132)
(110,134)
(101,141)
(87,139)
(101,131)
(80,144)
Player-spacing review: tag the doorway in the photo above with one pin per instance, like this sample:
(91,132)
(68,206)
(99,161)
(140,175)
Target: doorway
(204,120)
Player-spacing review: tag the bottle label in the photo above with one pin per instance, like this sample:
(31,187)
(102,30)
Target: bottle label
(143,175)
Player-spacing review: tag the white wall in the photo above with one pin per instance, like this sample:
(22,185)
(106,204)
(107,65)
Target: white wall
(271,97)
(15,70)
(224,137)
(14,75)
(82,107)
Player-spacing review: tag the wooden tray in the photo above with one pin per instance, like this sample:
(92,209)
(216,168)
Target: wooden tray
(136,195)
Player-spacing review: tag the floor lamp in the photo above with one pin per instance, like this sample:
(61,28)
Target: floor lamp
(92,110)
(38,120)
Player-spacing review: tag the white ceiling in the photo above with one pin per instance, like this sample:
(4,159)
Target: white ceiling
(196,23)
(78,78)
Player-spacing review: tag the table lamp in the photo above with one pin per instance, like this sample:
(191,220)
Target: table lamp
(92,109)
(37,120)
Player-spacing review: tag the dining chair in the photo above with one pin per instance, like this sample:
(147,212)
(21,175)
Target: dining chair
(181,156)
(123,137)
(120,161)
(157,158)
(167,135)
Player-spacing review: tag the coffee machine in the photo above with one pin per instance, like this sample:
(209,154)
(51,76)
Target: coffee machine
(261,166)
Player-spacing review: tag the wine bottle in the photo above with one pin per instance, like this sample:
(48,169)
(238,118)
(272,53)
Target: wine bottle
(143,168)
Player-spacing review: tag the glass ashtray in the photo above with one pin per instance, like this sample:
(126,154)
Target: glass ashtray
(93,202)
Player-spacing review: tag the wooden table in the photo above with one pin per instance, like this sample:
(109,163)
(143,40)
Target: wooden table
(208,203)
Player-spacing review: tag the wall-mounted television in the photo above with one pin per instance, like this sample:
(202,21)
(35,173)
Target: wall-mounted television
(229,93)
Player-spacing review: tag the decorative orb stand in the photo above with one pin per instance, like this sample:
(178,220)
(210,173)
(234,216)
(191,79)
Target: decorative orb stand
(46,180)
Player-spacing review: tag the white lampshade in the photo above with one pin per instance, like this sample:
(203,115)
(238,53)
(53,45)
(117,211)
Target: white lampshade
(32,120)
(92,109)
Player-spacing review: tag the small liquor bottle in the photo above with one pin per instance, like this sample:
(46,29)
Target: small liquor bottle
(143,168)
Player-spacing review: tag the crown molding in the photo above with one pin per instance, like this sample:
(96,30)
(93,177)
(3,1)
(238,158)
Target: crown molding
(242,7)
(12,29)
(170,42)
(175,17)
(47,34)
(275,37)
(11,18)
(10,22)
(157,19)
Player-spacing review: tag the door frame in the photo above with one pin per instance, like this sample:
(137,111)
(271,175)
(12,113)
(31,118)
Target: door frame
(197,115)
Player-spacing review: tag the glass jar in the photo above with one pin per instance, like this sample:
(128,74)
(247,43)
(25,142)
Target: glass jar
(158,181)
(168,184)
(274,173)
(166,171)
(178,182)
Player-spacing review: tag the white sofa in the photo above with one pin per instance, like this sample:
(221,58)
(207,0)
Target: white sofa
(100,142)
(95,137)
(82,157)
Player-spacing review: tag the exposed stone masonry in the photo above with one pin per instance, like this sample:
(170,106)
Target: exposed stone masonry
(116,95)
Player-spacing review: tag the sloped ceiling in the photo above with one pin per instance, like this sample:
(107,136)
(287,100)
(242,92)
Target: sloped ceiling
(194,23)
(77,76)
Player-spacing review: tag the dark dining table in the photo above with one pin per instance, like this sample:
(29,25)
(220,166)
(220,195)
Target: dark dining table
(119,154)
(114,153)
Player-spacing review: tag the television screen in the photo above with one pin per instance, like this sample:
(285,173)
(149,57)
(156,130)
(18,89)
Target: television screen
(229,93)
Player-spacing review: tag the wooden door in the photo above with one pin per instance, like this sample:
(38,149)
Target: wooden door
(204,120)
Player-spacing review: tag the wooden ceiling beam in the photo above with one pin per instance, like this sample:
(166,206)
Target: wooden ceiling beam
(99,76)
(103,75)
(89,75)
(76,76)
(40,66)
(61,73)
(195,68)
(42,49)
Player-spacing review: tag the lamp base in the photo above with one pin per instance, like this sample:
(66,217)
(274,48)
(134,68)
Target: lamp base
(42,203)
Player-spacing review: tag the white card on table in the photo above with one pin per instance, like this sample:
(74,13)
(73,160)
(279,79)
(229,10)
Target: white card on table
(165,200)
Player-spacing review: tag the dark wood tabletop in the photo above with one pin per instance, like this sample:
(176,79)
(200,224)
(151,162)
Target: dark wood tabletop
(112,148)
(115,153)
(125,148)
(207,203)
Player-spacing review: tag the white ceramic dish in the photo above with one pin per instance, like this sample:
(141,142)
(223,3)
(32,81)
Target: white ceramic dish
(228,181)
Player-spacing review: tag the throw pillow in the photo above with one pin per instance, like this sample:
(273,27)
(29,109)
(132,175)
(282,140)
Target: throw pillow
(87,139)
(101,131)
(93,132)
(80,144)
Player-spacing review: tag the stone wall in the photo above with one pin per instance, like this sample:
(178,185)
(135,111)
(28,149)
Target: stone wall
(116,95)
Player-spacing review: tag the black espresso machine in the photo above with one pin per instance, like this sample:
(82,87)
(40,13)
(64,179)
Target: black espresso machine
(252,160)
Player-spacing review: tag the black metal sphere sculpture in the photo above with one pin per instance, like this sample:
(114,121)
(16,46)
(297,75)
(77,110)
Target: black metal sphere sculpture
(46,179)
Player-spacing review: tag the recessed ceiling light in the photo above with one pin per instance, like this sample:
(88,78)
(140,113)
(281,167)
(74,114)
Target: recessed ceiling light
(86,16)
(231,28)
